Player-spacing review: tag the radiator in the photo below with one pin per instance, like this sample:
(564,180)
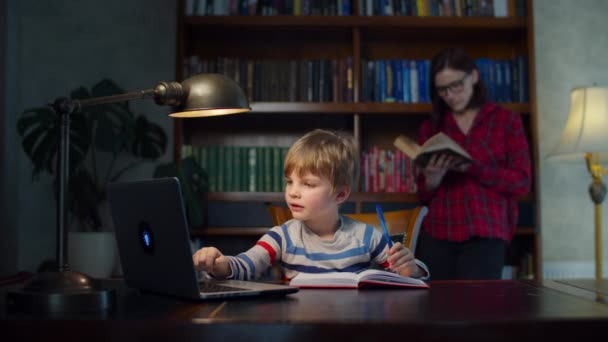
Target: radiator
(571,269)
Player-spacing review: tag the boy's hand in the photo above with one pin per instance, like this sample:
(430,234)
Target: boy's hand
(211,260)
(402,261)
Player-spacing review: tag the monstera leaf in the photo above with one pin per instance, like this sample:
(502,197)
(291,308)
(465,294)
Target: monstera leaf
(39,131)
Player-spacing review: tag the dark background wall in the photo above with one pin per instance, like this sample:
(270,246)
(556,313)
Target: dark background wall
(48,49)
(3,28)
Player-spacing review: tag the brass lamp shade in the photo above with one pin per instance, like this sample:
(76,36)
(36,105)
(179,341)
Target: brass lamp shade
(586,130)
(210,95)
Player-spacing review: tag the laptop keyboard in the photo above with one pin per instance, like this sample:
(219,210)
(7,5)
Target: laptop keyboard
(209,287)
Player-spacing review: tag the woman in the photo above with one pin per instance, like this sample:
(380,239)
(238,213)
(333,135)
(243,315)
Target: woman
(472,207)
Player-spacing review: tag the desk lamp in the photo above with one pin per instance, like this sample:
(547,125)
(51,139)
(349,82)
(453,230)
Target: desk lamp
(64,290)
(586,135)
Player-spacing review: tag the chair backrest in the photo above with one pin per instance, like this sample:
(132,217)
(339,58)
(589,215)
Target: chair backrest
(279,214)
(403,222)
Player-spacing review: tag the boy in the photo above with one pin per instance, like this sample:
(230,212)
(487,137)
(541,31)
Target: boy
(320,170)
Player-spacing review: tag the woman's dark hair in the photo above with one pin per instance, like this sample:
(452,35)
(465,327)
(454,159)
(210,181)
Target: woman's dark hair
(456,59)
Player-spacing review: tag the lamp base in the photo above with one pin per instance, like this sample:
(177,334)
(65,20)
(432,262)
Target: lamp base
(60,292)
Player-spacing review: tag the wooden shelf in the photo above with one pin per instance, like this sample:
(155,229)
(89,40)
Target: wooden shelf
(383,197)
(355,197)
(362,108)
(280,197)
(229,231)
(356,39)
(246,196)
(348,22)
(525,231)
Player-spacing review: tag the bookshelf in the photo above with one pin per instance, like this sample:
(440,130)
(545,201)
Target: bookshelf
(358,39)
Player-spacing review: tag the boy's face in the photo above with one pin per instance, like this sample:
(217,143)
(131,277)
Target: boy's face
(310,199)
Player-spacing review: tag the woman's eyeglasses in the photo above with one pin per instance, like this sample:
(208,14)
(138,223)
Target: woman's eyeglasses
(454,87)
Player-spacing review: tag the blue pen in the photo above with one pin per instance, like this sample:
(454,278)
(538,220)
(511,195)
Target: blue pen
(383,223)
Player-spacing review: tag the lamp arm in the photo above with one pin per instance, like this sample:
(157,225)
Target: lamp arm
(143,94)
(230,100)
(164,93)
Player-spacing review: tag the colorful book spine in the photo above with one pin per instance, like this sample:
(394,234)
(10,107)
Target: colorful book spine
(252,169)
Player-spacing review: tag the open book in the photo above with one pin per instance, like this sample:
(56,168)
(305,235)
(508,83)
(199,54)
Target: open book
(438,143)
(367,278)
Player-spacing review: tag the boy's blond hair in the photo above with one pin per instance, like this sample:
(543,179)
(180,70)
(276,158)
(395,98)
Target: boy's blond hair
(333,155)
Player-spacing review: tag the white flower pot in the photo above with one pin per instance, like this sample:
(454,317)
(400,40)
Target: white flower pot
(93,253)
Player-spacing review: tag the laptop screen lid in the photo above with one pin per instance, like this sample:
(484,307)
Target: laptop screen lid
(154,245)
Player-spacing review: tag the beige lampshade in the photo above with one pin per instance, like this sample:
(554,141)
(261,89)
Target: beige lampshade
(587,126)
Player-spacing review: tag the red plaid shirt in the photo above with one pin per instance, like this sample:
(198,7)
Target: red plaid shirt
(483,201)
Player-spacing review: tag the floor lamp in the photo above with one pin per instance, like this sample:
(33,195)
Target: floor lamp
(64,290)
(586,136)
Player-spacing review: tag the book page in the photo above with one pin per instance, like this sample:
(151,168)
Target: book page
(371,277)
(330,279)
(407,146)
(440,142)
(385,277)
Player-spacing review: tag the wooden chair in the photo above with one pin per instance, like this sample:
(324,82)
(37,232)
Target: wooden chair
(403,223)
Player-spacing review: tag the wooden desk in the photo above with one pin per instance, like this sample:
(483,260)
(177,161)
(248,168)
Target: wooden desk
(471,311)
(586,288)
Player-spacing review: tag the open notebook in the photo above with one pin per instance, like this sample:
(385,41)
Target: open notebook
(154,245)
(367,278)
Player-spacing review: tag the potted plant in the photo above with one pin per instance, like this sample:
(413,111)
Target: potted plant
(105,141)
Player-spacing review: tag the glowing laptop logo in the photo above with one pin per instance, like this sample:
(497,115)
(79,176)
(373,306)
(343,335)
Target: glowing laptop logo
(146,238)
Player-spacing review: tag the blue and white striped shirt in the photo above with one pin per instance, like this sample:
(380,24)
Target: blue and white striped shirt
(355,247)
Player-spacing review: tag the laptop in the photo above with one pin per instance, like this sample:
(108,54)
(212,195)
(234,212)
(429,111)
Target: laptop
(154,245)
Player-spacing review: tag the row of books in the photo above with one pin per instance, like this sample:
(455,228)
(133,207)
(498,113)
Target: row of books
(395,80)
(407,81)
(303,80)
(260,169)
(391,80)
(240,168)
(448,8)
(442,8)
(387,171)
(269,7)
(507,80)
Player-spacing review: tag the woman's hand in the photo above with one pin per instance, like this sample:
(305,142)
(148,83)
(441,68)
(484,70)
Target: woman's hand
(436,168)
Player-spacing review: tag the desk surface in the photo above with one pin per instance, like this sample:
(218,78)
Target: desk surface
(482,310)
(599,286)
(591,289)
